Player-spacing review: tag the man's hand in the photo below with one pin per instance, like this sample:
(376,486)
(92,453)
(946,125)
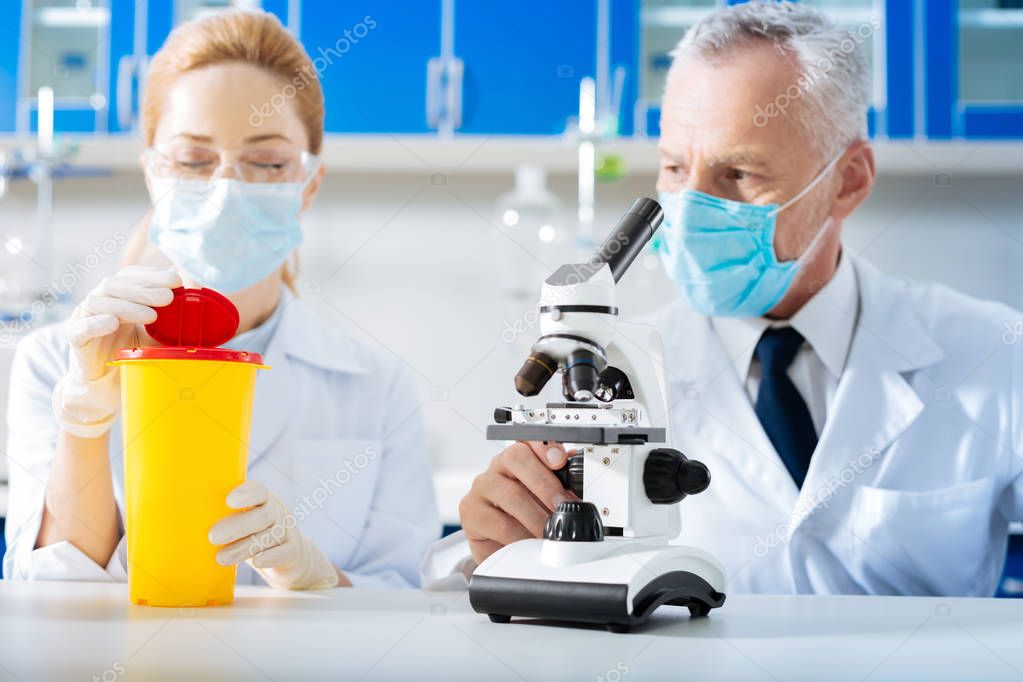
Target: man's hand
(512,499)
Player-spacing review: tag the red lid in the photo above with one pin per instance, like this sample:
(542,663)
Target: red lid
(187,353)
(196,318)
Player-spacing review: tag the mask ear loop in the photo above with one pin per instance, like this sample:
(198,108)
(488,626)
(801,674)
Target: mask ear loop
(813,183)
(812,246)
(314,167)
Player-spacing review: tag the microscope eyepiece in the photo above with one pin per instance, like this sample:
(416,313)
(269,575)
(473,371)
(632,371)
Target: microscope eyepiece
(630,235)
(536,371)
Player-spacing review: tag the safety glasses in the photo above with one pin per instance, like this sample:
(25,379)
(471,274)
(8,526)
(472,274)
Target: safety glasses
(256,165)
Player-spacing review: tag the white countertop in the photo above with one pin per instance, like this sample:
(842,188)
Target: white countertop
(56,631)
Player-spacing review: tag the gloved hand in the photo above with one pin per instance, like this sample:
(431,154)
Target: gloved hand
(264,534)
(87,398)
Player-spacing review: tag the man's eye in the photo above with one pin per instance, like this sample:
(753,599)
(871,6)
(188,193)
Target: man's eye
(674,170)
(738,175)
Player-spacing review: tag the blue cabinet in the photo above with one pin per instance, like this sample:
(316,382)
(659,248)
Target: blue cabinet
(91,53)
(974,68)
(72,48)
(372,59)
(455,66)
(884,28)
(10,40)
(522,64)
(942,68)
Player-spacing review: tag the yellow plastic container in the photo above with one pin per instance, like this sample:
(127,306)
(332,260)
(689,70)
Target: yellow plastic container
(186,416)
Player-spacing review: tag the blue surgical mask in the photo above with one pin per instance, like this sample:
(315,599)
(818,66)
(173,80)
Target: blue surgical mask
(225,233)
(721,255)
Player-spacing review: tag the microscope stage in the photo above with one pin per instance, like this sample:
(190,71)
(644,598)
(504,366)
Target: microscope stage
(593,435)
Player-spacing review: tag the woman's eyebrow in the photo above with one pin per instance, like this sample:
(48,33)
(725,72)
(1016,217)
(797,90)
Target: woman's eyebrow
(205,139)
(266,138)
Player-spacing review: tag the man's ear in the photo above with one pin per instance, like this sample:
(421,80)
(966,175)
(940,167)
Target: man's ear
(858,177)
(313,188)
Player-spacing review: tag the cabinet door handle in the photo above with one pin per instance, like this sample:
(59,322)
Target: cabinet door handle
(456,69)
(434,76)
(125,74)
(617,95)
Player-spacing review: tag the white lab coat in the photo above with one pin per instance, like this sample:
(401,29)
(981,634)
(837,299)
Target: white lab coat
(336,435)
(915,478)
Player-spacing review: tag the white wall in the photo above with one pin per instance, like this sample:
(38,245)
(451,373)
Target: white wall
(421,268)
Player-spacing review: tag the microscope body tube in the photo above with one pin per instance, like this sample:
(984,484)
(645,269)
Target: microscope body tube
(630,235)
(584,282)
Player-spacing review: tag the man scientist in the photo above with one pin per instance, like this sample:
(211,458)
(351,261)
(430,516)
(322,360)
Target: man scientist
(862,431)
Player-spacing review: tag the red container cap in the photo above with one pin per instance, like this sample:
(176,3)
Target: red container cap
(197,318)
(191,327)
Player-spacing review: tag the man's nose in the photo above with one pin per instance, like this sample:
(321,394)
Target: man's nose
(699,180)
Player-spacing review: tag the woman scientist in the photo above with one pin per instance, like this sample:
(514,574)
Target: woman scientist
(338,489)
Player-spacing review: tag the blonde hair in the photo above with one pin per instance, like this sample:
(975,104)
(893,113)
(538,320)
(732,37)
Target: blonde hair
(252,37)
(256,38)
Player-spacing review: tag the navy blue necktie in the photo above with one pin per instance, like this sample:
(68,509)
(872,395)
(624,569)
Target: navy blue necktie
(780,408)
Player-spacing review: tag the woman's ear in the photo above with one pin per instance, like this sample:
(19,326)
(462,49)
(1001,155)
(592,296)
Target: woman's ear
(313,188)
(858,176)
(145,175)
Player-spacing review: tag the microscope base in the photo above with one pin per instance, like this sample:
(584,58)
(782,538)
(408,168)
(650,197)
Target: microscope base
(619,585)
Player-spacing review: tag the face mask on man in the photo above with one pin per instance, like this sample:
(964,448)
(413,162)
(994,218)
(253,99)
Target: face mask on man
(721,254)
(224,233)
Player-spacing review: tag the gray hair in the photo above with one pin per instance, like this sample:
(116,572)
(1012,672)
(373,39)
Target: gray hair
(834,81)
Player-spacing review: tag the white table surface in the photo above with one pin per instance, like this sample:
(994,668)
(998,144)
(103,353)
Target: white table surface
(54,631)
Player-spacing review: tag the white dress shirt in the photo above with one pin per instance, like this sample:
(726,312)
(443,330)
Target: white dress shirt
(826,322)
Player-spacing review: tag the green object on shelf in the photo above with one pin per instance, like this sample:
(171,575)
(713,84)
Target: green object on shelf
(610,167)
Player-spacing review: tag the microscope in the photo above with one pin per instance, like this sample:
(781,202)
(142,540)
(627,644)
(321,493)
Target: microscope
(609,558)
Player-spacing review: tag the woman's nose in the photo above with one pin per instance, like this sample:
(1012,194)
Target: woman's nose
(227,171)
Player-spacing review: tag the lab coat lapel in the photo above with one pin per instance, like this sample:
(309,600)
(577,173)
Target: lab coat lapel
(874,403)
(714,412)
(275,401)
(301,340)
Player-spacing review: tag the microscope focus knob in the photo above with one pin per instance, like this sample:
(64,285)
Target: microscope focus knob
(668,476)
(571,475)
(574,522)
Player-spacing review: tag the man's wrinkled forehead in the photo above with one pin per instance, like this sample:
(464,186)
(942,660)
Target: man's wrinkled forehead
(732,102)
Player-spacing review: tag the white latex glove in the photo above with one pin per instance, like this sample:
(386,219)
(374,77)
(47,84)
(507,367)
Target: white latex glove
(264,534)
(87,398)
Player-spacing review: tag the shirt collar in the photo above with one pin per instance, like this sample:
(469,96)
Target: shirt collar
(257,339)
(302,335)
(826,321)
